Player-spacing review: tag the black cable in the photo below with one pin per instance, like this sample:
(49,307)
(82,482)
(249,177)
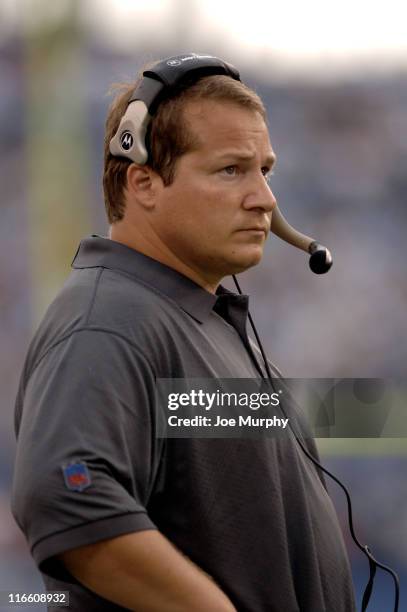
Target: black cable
(365,549)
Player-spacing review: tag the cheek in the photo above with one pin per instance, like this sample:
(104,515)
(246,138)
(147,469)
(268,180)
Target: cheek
(202,211)
(198,209)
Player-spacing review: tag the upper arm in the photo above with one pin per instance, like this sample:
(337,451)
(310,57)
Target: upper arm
(87,404)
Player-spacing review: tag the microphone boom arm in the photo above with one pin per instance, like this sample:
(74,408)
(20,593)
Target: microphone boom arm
(321,258)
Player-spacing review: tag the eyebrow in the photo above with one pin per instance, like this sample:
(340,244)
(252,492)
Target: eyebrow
(271,158)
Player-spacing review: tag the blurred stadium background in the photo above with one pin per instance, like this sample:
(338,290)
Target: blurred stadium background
(335,83)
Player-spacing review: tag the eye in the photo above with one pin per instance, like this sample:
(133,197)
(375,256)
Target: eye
(267,173)
(230,170)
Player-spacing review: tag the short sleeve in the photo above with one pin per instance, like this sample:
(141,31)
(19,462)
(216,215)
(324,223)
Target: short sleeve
(86,448)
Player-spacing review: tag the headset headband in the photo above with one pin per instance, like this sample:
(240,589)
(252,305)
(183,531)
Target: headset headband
(130,138)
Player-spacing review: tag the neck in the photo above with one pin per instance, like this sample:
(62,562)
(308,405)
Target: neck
(160,252)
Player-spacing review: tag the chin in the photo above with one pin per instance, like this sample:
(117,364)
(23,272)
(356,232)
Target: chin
(246,260)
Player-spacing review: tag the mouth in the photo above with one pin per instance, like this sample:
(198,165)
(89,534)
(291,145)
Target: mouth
(255,230)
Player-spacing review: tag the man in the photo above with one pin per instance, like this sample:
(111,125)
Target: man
(113,514)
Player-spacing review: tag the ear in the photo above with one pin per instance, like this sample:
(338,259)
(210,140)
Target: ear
(142,184)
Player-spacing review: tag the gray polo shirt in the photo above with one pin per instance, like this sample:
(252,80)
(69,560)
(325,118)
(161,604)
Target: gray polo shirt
(253,513)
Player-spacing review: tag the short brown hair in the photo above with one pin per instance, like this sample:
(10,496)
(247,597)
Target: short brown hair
(168,133)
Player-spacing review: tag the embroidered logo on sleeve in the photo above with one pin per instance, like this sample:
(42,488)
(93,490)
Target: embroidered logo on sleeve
(76,476)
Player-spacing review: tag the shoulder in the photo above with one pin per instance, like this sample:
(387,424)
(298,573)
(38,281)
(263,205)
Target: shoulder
(122,301)
(99,298)
(103,308)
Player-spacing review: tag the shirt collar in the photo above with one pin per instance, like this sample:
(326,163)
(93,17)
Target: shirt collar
(97,251)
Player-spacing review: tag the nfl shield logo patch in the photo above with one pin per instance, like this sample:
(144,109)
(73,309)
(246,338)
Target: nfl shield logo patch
(76,476)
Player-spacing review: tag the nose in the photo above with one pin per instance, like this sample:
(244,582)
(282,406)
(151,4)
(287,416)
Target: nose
(259,196)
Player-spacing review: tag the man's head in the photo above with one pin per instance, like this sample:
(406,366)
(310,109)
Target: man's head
(203,189)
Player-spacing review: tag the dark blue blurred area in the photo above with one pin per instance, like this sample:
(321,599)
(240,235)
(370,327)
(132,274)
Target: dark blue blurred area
(379,518)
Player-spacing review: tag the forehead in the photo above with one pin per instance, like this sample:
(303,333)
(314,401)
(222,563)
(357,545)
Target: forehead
(218,125)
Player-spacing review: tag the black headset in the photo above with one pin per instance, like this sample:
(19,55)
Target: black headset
(130,141)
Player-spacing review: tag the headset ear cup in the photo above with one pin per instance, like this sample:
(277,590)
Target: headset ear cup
(129,140)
